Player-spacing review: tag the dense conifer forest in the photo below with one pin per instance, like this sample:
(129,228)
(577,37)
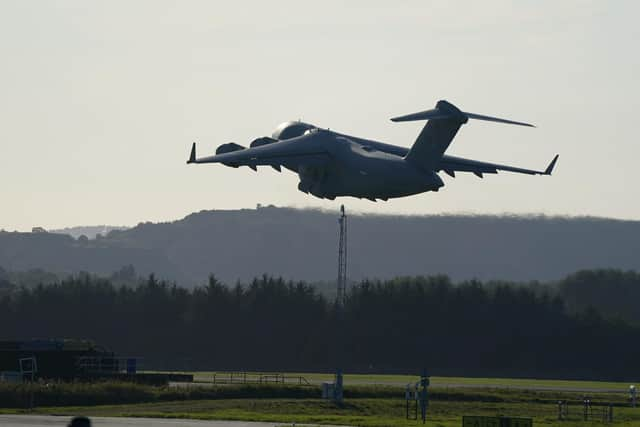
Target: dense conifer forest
(469,328)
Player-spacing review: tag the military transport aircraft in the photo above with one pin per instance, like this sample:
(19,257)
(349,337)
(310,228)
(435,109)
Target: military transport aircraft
(331,164)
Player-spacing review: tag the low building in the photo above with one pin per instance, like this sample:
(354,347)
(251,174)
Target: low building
(62,359)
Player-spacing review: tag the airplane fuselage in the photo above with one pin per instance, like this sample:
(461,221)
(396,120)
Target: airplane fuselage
(364,171)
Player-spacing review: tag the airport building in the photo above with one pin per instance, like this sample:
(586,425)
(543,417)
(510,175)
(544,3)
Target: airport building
(62,359)
(72,359)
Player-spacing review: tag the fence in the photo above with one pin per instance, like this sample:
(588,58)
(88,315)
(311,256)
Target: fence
(585,411)
(256,378)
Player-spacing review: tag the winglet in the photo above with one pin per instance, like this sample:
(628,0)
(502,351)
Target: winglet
(549,168)
(192,156)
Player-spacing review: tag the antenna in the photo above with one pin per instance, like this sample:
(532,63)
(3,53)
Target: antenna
(342,259)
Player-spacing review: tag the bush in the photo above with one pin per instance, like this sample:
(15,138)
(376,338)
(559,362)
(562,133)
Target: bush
(110,393)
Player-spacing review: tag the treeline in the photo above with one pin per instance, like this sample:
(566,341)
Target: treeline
(125,275)
(613,293)
(401,325)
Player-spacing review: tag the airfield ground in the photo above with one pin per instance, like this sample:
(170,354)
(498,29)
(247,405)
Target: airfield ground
(63,421)
(378,400)
(436,382)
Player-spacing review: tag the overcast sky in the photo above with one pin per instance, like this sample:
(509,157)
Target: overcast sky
(100,101)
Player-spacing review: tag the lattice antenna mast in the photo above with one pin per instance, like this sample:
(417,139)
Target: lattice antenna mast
(342,259)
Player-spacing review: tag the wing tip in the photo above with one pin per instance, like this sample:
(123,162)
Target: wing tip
(552,165)
(192,155)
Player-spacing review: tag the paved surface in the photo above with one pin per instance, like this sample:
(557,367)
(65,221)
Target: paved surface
(49,420)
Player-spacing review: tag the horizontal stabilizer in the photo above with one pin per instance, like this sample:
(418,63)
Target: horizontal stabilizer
(446,110)
(495,119)
(432,114)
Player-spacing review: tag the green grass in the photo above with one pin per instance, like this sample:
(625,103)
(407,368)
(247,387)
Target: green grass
(365,405)
(357,412)
(316,378)
(113,392)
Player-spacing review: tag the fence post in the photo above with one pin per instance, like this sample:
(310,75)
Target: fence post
(560,415)
(585,409)
(406,401)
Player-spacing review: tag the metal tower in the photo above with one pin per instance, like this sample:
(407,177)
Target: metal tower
(342,259)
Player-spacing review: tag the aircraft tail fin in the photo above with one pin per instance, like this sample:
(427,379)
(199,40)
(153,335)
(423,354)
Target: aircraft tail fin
(443,122)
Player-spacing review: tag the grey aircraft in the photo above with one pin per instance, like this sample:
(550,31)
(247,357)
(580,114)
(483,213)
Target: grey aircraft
(331,164)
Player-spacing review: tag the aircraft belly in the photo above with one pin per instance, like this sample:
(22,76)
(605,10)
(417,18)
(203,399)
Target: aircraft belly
(381,179)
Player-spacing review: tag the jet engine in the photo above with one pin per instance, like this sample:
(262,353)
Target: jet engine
(262,141)
(229,148)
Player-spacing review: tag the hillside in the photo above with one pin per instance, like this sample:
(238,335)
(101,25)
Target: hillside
(91,231)
(302,244)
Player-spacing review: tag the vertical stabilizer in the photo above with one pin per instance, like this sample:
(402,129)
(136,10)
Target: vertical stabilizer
(435,137)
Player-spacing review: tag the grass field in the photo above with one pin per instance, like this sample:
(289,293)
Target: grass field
(450,382)
(365,405)
(356,412)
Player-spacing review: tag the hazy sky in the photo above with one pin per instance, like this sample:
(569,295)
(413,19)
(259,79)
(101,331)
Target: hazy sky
(100,101)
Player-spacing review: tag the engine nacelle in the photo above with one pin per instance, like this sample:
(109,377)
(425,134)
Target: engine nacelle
(229,147)
(262,141)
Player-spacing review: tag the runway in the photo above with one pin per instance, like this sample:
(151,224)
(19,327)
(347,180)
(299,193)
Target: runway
(50,420)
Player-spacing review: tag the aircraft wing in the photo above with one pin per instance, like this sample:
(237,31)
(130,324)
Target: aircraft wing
(290,153)
(450,165)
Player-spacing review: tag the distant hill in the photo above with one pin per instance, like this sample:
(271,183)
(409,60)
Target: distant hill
(91,231)
(302,244)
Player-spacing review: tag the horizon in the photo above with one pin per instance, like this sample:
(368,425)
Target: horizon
(302,244)
(532,215)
